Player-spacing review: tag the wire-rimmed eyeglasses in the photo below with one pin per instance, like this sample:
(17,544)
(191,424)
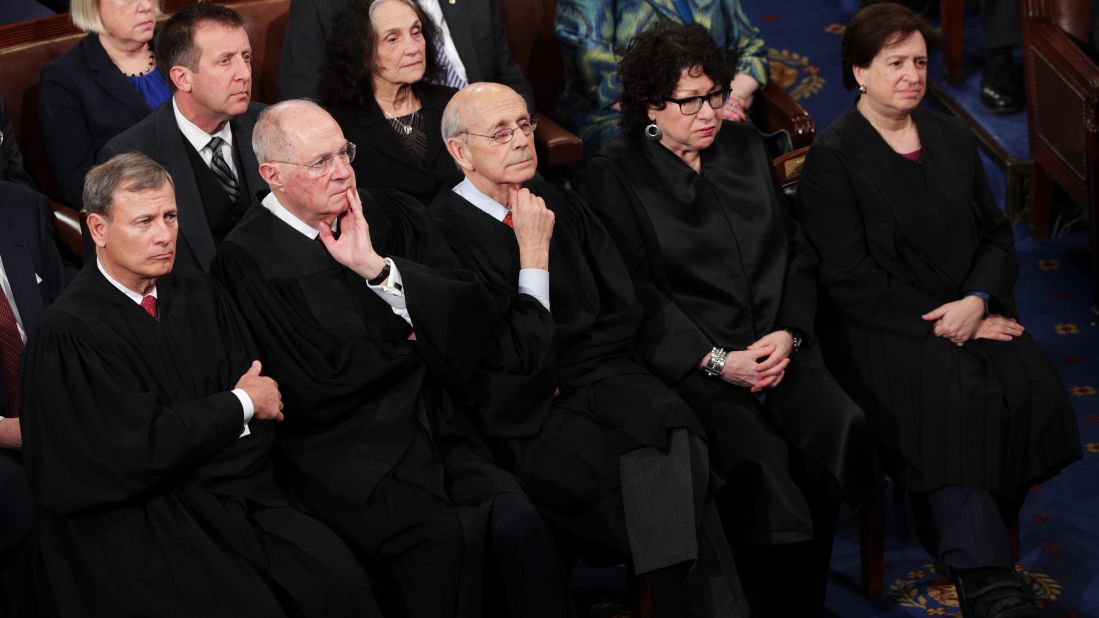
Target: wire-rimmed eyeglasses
(689,106)
(505,135)
(325,164)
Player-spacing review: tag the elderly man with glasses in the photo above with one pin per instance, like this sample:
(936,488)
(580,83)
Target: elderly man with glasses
(615,460)
(371,331)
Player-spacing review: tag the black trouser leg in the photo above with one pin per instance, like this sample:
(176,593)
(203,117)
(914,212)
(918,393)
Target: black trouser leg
(528,568)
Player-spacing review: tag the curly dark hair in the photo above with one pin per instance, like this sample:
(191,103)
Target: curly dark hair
(349,63)
(653,61)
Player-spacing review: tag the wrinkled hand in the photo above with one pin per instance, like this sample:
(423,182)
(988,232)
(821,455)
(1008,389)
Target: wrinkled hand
(264,393)
(999,328)
(353,249)
(743,368)
(743,91)
(957,321)
(11,434)
(533,224)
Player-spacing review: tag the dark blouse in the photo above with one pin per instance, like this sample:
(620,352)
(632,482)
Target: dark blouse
(410,130)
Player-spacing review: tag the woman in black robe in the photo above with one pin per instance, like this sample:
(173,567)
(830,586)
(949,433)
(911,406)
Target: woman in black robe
(921,265)
(374,83)
(729,295)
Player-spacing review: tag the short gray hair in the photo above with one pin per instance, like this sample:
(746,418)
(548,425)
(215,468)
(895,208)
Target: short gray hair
(453,123)
(269,137)
(134,169)
(85,15)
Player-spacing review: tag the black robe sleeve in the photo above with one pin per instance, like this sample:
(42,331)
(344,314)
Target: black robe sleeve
(868,294)
(95,436)
(669,342)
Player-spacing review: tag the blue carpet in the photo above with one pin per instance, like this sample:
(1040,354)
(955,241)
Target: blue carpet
(1059,545)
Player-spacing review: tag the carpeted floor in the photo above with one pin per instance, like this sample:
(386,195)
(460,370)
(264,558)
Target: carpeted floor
(1058,531)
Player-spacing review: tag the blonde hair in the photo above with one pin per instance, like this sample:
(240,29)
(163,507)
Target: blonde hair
(85,15)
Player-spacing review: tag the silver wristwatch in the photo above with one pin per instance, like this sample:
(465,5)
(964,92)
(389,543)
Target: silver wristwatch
(716,363)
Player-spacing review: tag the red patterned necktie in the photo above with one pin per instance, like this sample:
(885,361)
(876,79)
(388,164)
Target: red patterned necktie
(11,351)
(507,220)
(148,303)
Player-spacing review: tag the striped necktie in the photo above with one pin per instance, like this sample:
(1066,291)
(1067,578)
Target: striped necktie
(222,170)
(450,76)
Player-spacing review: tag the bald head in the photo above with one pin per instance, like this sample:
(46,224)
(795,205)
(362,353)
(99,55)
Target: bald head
(280,129)
(487,130)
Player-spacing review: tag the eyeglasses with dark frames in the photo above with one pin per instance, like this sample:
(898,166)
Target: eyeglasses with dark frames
(505,135)
(324,165)
(689,106)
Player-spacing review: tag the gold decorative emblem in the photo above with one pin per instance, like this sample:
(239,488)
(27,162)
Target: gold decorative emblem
(793,72)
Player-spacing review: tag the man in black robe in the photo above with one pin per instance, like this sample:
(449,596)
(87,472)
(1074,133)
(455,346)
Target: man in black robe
(147,426)
(615,460)
(364,348)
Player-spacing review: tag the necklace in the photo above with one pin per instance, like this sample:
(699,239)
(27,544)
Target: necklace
(148,68)
(407,128)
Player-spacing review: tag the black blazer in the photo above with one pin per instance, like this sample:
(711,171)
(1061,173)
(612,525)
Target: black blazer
(475,25)
(11,159)
(28,248)
(383,161)
(83,101)
(159,137)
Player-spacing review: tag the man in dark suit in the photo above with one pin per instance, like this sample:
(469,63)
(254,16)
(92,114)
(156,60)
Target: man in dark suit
(475,46)
(31,275)
(204,138)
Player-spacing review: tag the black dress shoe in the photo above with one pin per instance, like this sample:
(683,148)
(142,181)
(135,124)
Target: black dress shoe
(999,93)
(993,593)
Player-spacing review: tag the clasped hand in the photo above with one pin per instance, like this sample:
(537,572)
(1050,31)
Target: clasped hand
(964,320)
(762,365)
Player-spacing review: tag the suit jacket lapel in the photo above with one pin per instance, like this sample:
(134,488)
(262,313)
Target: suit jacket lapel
(19,269)
(457,22)
(113,82)
(242,139)
(169,150)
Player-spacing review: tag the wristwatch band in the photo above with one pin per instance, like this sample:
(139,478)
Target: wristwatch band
(716,363)
(796,335)
(383,275)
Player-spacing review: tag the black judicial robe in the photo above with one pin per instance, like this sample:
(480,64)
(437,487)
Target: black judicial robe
(384,162)
(564,449)
(150,503)
(896,239)
(717,261)
(357,392)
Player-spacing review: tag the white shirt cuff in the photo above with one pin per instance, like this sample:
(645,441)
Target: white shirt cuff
(246,403)
(392,292)
(535,282)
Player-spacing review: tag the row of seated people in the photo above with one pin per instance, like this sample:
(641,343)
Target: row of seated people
(627,373)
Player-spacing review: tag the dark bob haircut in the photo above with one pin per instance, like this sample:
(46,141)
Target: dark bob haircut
(175,43)
(349,64)
(874,28)
(653,62)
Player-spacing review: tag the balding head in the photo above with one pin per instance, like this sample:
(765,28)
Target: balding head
(304,158)
(478,112)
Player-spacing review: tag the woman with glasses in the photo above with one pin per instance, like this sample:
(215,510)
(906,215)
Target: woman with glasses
(374,84)
(728,293)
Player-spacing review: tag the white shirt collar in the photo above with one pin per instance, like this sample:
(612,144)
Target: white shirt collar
(132,295)
(195,136)
(486,204)
(272,203)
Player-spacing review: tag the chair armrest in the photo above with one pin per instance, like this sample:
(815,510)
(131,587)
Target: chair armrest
(67,221)
(781,111)
(555,144)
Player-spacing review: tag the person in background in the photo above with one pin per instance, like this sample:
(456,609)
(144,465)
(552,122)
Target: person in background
(32,276)
(376,83)
(11,159)
(920,264)
(472,47)
(101,87)
(594,33)
(204,136)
